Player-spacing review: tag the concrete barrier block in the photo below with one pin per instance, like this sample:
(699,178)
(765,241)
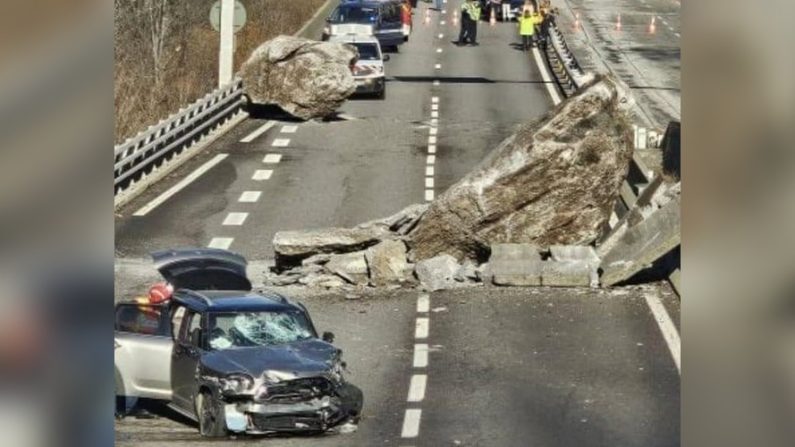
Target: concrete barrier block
(516,252)
(584,253)
(515,273)
(567,273)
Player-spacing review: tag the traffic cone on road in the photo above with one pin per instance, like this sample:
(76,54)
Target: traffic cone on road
(618,23)
(493,18)
(576,21)
(427,19)
(652,25)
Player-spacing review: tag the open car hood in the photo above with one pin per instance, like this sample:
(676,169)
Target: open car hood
(202,269)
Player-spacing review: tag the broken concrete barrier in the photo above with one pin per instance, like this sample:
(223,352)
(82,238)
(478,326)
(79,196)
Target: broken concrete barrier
(640,245)
(291,247)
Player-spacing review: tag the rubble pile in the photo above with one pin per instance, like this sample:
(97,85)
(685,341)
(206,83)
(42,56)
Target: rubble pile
(306,78)
(529,215)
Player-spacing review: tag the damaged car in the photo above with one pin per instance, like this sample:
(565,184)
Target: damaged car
(230,359)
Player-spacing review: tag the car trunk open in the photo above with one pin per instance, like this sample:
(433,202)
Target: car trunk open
(202,269)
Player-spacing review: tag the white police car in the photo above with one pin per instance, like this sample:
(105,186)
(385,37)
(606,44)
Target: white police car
(369,68)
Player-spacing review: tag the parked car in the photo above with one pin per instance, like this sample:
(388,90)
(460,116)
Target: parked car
(230,359)
(368,71)
(384,16)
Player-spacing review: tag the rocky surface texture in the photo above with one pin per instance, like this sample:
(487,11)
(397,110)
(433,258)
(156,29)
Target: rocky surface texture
(307,78)
(528,216)
(552,182)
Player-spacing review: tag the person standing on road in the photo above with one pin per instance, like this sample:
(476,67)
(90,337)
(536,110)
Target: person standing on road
(470,14)
(506,10)
(437,5)
(547,20)
(527,28)
(492,7)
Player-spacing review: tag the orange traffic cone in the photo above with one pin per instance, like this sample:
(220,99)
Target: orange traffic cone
(618,23)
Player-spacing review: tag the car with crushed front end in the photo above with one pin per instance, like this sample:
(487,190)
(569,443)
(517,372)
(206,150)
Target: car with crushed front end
(230,359)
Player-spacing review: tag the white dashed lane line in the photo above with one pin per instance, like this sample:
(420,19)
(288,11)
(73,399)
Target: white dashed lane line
(220,242)
(262,174)
(429,182)
(431,148)
(281,142)
(429,195)
(423,304)
(289,129)
(272,158)
(411,423)
(429,171)
(421,328)
(430,160)
(261,130)
(417,387)
(157,201)
(249,196)
(421,355)
(235,219)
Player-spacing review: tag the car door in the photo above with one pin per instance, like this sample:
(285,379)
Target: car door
(185,360)
(142,354)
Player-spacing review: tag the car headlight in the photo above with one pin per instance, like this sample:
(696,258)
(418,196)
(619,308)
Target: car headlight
(236,383)
(338,370)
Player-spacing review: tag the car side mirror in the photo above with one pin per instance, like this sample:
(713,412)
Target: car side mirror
(328,337)
(386,57)
(328,19)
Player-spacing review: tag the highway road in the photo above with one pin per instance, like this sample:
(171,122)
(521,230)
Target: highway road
(505,367)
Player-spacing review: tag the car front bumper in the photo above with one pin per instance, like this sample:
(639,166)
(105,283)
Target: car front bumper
(370,85)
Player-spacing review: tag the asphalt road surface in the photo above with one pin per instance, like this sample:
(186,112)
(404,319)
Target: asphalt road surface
(505,367)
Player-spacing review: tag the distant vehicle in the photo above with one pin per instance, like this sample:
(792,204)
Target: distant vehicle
(232,360)
(369,68)
(384,16)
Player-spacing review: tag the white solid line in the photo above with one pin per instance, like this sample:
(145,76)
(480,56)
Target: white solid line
(417,388)
(434,99)
(235,219)
(421,356)
(261,130)
(220,242)
(289,129)
(272,158)
(428,195)
(553,92)
(431,148)
(429,171)
(411,423)
(281,142)
(262,174)
(433,131)
(667,328)
(423,303)
(431,159)
(157,201)
(429,182)
(421,329)
(249,196)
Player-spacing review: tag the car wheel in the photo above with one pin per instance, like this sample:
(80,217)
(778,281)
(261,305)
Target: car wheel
(382,93)
(209,414)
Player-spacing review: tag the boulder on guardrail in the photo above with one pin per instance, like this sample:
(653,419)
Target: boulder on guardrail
(553,182)
(306,78)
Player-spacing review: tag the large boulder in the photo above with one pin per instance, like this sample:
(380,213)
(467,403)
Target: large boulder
(438,273)
(351,267)
(306,78)
(553,182)
(387,263)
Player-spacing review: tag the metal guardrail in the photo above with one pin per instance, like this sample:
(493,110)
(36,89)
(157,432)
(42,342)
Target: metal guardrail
(143,153)
(568,73)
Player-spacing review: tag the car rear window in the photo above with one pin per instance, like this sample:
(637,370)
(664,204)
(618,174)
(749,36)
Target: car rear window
(142,319)
(354,14)
(368,51)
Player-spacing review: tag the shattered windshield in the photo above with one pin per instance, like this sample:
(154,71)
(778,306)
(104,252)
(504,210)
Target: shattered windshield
(247,329)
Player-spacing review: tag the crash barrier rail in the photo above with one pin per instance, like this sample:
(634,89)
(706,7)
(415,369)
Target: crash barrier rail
(142,154)
(568,73)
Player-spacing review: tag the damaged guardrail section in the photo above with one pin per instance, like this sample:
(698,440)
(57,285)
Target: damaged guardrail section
(139,156)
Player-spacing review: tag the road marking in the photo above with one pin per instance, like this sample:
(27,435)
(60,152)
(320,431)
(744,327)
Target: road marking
(235,219)
(289,129)
(444,11)
(433,130)
(429,171)
(438,66)
(221,242)
(423,303)
(442,22)
(677,35)
(435,108)
(428,195)
(262,174)
(272,158)
(553,93)
(441,36)
(421,356)
(281,142)
(421,329)
(435,114)
(667,328)
(431,159)
(261,130)
(439,50)
(429,182)
(436,82)
(434,121)
(434,99)
(417,387)
(249,196)
(411,423)
(431,139)
(431,148)
(157,201)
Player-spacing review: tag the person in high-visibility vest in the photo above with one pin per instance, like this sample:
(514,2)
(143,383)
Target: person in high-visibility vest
(470,14)
(527,28)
